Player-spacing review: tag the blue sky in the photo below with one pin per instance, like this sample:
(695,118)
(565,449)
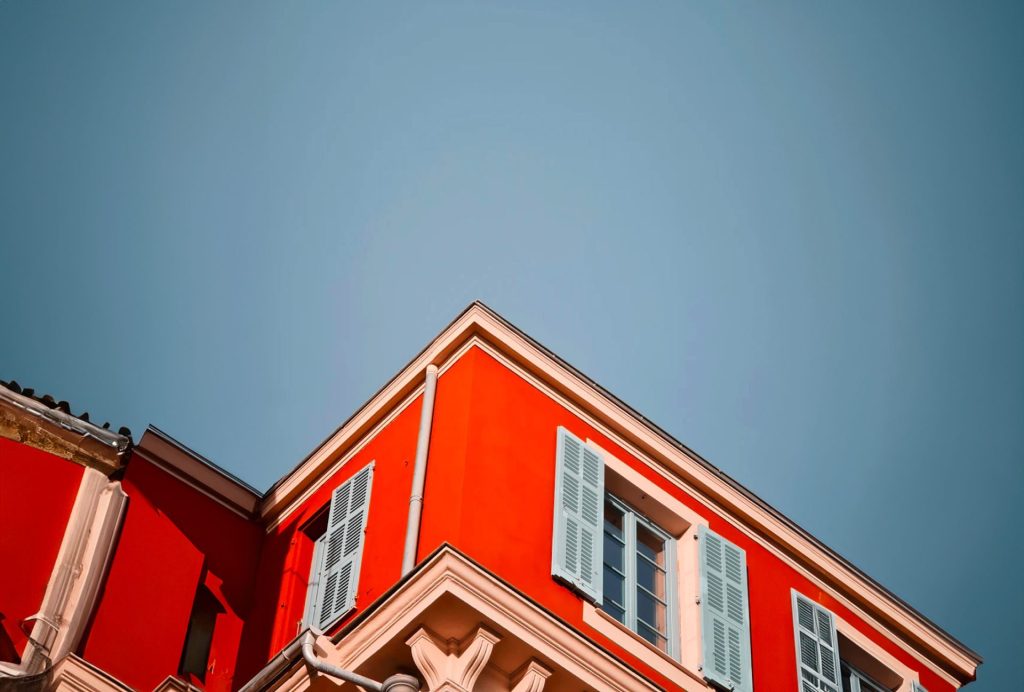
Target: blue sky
(792,235)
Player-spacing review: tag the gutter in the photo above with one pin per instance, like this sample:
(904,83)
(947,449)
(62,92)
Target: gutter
(119,443)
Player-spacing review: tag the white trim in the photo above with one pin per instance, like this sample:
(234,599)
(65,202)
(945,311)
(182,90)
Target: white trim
(449,573)
(687,583)
(651,446)
(75,674)
(163,451)
(883,657)
(632,643)
(175,472)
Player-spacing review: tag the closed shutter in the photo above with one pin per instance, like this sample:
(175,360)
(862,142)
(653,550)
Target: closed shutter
(725,612)
(577,552)
(918,687)
(343,546)
(817,651)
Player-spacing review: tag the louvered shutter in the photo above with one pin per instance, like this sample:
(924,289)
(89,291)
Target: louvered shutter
(339,577)
(577,552)
(918,687)
(725,612)
(816,646)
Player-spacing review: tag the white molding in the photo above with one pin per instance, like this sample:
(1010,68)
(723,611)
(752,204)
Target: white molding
(452,668)
(75,674)
(650,445)
(184,465)
(450,574)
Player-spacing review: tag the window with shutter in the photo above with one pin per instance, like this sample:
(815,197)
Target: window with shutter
(918,687)
(639,579)
(577,554)
(725,612)
(816,646)
(338,553)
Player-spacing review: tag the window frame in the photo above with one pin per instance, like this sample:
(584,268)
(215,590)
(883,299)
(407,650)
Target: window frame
(631,517)
(857,677)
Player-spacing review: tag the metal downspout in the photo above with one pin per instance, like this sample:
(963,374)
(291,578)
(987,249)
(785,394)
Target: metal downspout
(419,475)
(395,683)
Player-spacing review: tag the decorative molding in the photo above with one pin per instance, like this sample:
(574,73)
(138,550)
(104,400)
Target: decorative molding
(531,678)
(948,658)
(452,666)
(451,574)
(75,674)
(51,430)
(173,684)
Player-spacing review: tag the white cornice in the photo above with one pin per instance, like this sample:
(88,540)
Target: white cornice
(479,326)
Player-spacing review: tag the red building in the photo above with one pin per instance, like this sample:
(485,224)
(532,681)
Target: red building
(490,520)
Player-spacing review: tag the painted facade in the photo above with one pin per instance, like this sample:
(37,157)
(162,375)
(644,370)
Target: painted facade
(693,583)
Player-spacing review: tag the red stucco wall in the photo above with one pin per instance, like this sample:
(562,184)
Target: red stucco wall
(172,537)
(489,492)
(495,438)
(37,492)
(287,553)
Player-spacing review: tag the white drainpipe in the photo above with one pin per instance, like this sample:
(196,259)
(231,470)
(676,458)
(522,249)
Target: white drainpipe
(396,683)
(302,647)
(419,474)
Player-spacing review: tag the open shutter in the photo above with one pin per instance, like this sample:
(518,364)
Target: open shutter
(817,654)
(577,553)
(339,577)
(725,612)
(917,687)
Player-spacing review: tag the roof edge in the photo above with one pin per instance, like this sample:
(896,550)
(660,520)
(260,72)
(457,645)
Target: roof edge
(477,319)
(196,470)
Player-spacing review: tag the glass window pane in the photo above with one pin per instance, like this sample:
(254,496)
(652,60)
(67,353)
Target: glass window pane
(650,577)
(613,553)
(615,611)
(649,610)
(651,545)
(613,520)
(614,587)
(847,685)
(652,636)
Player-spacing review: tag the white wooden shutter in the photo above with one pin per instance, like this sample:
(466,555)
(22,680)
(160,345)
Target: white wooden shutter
(339,577)
(577,553)
(917,687)
(817,650)
(725,612)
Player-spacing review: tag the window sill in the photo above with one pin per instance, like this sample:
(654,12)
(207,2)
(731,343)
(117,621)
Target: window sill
(633,643)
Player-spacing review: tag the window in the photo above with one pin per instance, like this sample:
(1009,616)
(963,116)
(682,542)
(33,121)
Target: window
(856,681)
(606,547)
(638,590)
(337,552)
(196,654)
(833,657)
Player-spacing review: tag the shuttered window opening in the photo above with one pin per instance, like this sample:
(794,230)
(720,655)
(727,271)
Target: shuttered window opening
(725,612)
(576,554)
(817,649)
(338,552)
(638,576)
